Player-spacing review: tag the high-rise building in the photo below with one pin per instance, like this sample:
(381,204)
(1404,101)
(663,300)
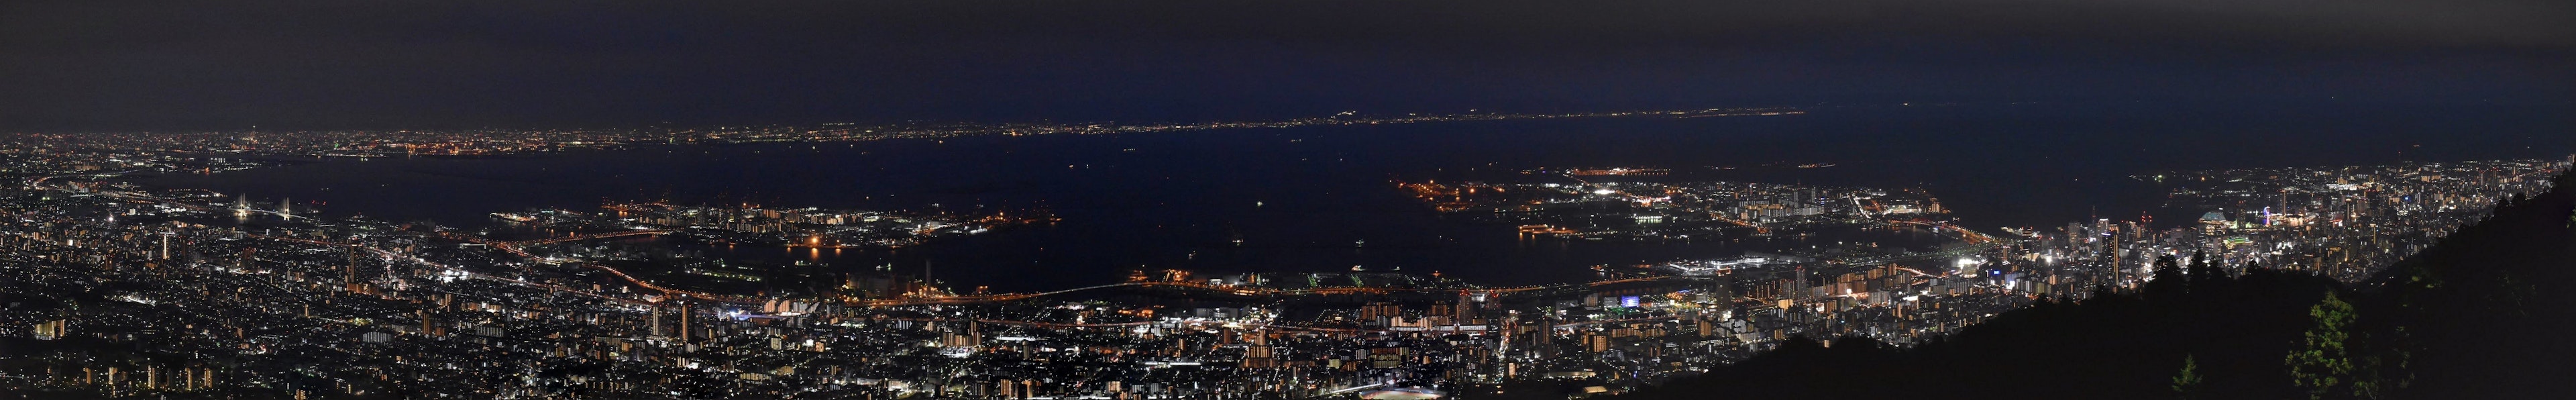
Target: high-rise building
(654,327)
(349,272)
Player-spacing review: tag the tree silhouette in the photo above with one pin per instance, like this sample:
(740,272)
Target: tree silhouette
(2203,272)
(2187,382)
(2324,363)
(2167,284)
(2385,370)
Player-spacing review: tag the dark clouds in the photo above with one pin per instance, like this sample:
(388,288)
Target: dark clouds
(228,65)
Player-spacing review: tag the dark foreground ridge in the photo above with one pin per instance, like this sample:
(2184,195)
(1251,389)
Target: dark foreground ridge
(2479,315)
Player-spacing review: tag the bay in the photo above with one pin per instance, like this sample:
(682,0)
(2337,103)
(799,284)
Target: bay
(1323,198)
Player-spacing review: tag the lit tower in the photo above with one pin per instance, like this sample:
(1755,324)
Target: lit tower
(349,272)
(2117,275)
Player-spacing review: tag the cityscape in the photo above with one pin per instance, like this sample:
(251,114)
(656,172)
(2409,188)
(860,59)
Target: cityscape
(1286,200)
(149,291)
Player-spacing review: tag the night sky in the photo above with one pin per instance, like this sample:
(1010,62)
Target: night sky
(223,65)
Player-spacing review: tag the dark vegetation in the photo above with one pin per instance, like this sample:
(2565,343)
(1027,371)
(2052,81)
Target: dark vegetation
(2485,313)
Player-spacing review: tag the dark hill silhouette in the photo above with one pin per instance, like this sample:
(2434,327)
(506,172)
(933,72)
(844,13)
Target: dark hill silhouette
(2482,314)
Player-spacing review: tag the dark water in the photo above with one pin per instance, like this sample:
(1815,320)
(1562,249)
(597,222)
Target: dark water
(1302,199)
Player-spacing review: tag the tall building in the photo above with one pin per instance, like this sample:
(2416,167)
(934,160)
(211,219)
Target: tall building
(654,326)
(349,272)
(1259,353)
(2112,253)
(1378,313)
(686,312)
(1465,310)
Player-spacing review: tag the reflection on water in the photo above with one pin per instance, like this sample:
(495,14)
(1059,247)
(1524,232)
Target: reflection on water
(1323,198)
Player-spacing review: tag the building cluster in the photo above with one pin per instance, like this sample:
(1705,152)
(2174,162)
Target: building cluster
(132,292)
(1670,210)
(758,226)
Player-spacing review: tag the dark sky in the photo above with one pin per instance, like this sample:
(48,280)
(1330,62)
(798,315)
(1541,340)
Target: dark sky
(220,65)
